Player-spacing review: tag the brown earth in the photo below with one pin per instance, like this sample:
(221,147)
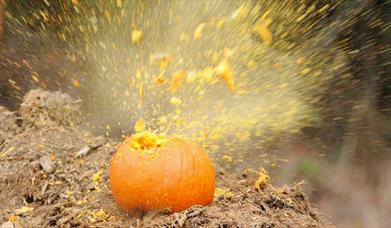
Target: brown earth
(54,173)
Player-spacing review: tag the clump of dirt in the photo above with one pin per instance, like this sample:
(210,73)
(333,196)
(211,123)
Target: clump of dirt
(8,126)
(42,108)
(56,174)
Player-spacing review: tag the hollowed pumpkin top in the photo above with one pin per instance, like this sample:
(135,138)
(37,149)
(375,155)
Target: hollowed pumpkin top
(151,171)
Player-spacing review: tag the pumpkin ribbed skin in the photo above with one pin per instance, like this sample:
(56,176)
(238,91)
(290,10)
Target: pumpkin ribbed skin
(175,176)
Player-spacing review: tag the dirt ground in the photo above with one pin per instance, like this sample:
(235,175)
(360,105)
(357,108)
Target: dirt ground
(55,174)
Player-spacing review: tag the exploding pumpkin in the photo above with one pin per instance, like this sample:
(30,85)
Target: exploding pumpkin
(150,171)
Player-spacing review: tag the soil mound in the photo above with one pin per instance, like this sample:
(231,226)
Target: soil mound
(8,125)
(42,108)
(58,177)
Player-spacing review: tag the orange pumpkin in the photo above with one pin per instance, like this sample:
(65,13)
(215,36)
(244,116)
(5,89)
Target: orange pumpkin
(149,171)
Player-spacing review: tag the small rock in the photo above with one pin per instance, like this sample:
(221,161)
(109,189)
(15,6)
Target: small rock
(47,164)
(83,151)
(97,142)
(179,220)
(8,224)
(35,164)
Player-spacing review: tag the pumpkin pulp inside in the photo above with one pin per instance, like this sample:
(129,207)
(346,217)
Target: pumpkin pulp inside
(146,141)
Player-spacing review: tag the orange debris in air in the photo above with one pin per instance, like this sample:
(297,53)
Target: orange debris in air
(177,81)
(224,71)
